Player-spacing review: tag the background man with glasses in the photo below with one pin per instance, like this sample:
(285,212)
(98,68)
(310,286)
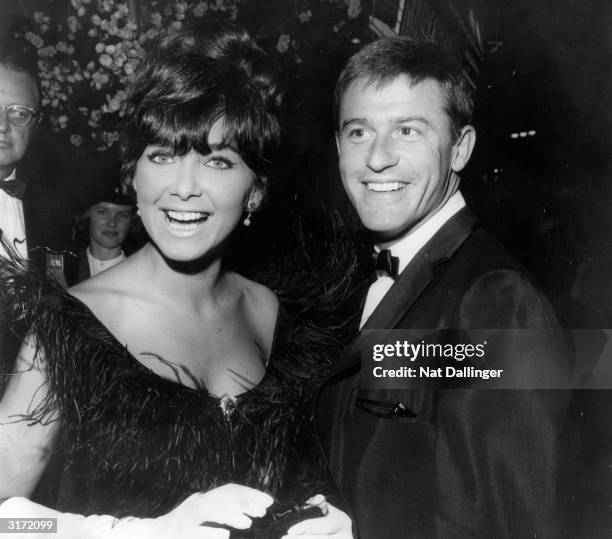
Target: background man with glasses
(31,218)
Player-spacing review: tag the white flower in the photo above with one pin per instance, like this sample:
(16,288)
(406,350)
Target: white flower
(105,60)
(95,20)
(110,49)
(305,16)
(63,121)
(354,8)
(156,18)
(72,23)
(38,18)
(81,11)
(176,25)
(61,46)
(99,48)
(76,140)
(128,68)
(282,45)
(92,32)
(200,9)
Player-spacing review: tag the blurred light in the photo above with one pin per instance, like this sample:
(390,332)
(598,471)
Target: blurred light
(514,135)
(531,133)
(523,134)
(496,170)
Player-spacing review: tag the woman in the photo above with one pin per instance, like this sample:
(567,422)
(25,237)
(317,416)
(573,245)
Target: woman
(101,229)
(168,375)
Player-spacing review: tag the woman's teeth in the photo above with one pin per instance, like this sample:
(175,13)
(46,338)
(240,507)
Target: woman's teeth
(185,220)
(383,187)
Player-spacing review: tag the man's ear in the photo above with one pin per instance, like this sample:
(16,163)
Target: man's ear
(463,148)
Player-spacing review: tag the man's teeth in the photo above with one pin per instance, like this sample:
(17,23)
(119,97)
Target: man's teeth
(185,220)
(385,186)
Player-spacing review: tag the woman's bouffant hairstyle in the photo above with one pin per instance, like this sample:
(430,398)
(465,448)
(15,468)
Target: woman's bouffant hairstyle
(188,81)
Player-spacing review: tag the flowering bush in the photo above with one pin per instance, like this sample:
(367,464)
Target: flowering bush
(86,60)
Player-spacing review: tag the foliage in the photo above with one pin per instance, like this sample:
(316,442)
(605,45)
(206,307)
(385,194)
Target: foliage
(86,59)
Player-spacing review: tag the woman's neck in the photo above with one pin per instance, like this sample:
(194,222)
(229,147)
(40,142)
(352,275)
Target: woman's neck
(178,282)
(102,253)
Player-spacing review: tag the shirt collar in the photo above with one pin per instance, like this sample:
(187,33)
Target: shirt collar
(11,176)
(408,246)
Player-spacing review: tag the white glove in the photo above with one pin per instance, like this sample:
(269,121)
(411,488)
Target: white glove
(230,504)
(334,523)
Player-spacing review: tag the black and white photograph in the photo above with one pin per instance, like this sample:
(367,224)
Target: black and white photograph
(332,269)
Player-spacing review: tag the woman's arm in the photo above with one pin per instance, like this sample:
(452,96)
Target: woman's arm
(25,446)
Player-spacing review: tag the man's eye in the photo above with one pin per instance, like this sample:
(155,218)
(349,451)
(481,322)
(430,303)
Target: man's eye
(161,158)
(357,132)
(218,162)
(406,131)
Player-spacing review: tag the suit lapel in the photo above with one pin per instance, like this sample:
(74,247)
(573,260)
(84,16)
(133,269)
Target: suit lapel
(411,283)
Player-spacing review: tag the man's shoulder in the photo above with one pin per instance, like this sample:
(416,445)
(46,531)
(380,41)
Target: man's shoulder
(482,282)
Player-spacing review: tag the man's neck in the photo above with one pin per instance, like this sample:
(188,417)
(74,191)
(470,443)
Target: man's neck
(102,253)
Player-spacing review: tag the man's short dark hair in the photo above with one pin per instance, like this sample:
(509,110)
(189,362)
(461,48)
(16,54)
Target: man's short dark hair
(384,60)
(15,57)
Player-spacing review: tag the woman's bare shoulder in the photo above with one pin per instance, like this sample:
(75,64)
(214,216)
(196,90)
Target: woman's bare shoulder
(99,291)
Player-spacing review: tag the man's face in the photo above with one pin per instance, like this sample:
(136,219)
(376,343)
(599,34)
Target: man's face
(396,154)
(16,88)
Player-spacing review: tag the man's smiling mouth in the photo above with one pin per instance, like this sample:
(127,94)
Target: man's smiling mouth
(385,187)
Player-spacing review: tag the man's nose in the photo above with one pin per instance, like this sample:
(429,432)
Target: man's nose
(381,155)
(112,220)
(4,121)
(187,183)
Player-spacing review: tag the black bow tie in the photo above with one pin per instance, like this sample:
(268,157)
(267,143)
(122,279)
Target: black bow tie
(14,188)
(385,262)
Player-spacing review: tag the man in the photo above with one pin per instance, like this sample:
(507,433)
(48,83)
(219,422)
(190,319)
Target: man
(425,460)
(31,220)
(29,212)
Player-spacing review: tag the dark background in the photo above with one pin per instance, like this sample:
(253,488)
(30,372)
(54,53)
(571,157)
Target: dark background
(547,69)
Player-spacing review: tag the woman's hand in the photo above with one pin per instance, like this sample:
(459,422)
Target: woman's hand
(230,505)
(333,524)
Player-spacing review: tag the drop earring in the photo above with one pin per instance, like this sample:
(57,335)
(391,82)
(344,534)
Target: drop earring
(247,219)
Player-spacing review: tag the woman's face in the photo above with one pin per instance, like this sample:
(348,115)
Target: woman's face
(109,224)
(190,204)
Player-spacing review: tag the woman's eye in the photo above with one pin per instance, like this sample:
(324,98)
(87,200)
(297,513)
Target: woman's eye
(218,162)
(161,158)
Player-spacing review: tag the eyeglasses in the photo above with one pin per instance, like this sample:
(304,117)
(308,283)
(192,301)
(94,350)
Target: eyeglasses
(20,115)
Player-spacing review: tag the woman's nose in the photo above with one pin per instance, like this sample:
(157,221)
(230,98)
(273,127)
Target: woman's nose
(187,184)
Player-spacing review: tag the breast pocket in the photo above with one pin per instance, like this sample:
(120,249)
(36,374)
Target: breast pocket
(412,405)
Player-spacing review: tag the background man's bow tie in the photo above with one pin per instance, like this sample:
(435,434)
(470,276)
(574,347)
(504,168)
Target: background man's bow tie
(385,262)
(14,188)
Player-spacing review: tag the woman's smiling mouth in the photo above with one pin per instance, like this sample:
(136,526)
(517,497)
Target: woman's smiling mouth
(185,220)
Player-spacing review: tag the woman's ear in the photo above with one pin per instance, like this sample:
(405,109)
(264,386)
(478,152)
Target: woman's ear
(255,198)
(463,148)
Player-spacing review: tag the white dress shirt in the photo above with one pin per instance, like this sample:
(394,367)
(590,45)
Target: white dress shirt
(97,266)
(12,221)
(406,248)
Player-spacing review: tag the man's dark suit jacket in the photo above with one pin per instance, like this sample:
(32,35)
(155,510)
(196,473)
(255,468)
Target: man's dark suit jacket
(450,463)
(48,229)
